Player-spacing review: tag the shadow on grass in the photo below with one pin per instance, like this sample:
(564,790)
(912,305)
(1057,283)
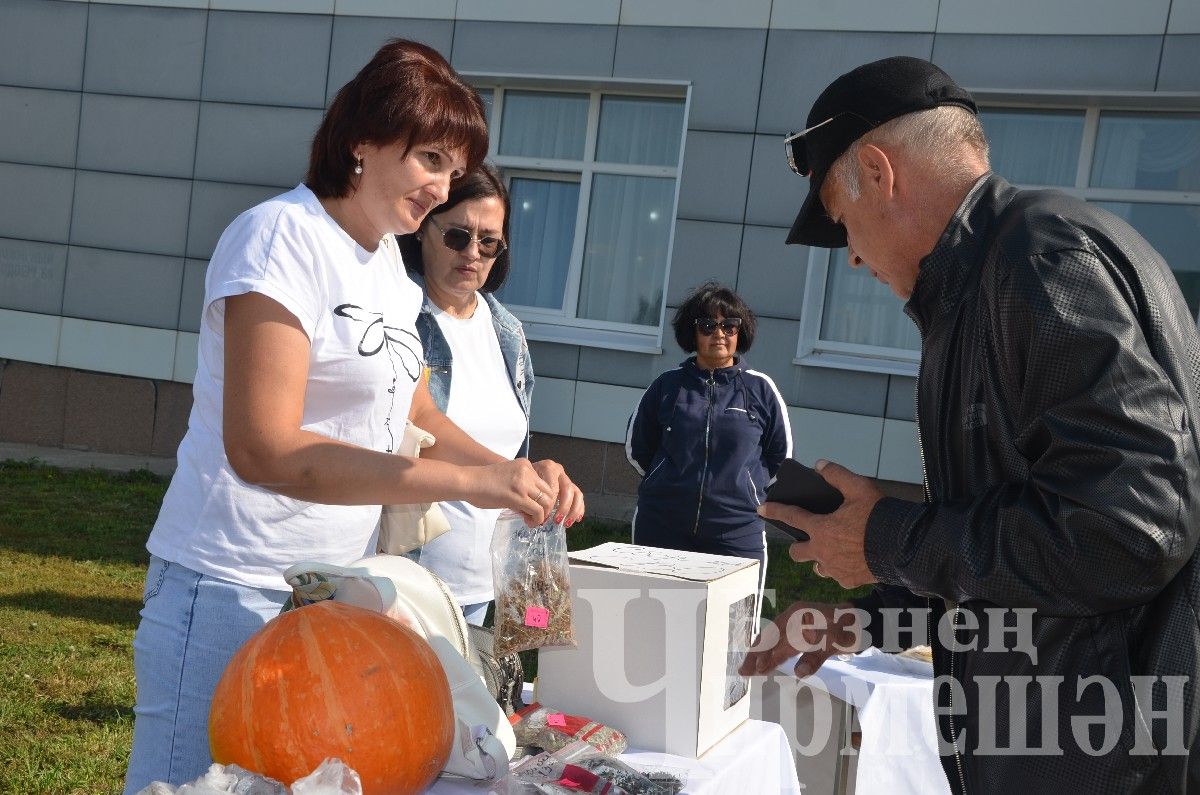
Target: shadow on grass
(94,707)
(116,612)
(78,514)
(130,550)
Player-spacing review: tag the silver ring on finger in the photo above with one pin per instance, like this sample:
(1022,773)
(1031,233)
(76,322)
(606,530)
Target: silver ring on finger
(817,570)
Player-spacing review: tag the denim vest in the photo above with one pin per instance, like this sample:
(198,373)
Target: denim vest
(512,345)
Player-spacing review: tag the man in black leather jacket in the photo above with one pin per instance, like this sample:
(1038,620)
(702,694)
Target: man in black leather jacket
(1052,564)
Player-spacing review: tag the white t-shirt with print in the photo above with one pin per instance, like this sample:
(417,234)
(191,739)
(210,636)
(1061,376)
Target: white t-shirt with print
(358,309)
(483,404)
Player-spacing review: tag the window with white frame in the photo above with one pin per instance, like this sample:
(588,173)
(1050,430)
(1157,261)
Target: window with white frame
(1142,165)
(593,174)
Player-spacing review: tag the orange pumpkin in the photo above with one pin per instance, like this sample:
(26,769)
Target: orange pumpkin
(331,679)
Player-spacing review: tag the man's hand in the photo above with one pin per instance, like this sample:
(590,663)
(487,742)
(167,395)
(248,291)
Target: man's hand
(813,630)
(835,539)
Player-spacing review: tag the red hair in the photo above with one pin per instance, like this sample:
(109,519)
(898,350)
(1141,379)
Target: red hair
(408,92)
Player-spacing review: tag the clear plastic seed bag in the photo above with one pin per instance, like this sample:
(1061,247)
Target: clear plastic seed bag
(533,585)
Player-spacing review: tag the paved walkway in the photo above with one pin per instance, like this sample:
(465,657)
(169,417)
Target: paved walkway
(84,459)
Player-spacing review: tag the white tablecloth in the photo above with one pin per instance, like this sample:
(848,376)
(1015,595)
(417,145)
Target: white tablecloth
(754,758)
(894,699)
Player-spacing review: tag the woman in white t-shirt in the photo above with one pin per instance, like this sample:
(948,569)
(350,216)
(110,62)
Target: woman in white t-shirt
(308,366)
(480,373)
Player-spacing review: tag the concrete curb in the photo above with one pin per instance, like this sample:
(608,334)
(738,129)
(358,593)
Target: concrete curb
(86,459)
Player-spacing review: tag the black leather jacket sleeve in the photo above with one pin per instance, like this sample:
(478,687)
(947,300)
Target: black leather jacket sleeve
(911,628)
(1096,507)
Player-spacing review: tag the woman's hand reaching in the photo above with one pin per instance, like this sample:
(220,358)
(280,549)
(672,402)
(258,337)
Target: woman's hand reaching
(531,489)
(567,496)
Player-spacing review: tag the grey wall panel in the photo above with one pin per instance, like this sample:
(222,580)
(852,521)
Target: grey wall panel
(153,52)
(1180,69)
(775,192)
(31,276)
(596,12)
(240,67)
(254,145)
(36,202)
(1074,17)
(772,353)
(724,88)
(191,301)
(715,174)
(531,48)
(624,368)
(902,398)
(1185,17)
(799,64)
(355,40)
(135,135)
(846,391)
(552,360)
(147,215)
(1058,63)
(39,127)
(118,287)
(41,43)
(703,250)
(771,275)
(755,14)
(620,368)
(214,206)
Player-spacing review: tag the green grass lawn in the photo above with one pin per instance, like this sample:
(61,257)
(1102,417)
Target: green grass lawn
(72,562)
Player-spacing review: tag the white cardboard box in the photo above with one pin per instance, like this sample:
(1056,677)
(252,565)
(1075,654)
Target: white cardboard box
(661,633)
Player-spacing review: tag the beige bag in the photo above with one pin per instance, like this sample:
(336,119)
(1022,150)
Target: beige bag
(405,527)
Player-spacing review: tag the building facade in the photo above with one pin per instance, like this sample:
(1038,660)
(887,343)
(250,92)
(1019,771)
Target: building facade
(642,144)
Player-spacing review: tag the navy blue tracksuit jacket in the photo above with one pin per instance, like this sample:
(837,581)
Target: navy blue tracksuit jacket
(707,444)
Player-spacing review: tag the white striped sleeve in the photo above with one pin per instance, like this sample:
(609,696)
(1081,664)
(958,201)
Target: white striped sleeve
(783,410)
(629,441)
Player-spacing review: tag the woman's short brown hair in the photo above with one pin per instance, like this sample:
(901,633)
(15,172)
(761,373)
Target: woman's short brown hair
(482,183)
(710,300)
(408,92)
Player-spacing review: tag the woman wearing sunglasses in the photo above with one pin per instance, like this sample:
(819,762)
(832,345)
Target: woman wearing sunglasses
(708,436)
(480,372)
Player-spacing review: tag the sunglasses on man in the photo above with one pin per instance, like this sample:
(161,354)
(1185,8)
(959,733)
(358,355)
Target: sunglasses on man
(707,326)
(456,238)
(817,147)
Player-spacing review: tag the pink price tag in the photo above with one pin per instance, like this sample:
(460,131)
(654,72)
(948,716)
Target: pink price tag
(537,617)
(556,719)
(576,778)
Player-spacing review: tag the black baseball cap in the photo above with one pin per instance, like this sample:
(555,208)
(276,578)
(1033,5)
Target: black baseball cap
(851,106)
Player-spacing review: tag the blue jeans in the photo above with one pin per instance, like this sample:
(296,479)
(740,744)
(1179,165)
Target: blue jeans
(191,626)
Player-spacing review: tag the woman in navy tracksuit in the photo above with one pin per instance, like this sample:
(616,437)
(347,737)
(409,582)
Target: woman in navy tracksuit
(708,436)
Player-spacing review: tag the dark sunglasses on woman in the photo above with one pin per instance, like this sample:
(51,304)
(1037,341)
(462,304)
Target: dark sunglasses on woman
(456,238)
(730,325)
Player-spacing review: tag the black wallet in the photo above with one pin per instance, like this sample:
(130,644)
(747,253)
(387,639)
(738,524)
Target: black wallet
(796,484)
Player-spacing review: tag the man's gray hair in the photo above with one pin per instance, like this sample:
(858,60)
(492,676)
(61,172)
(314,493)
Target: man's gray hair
(950,137)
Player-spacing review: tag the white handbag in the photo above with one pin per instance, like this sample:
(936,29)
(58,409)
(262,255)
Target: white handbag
(404,591)
(403,528)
